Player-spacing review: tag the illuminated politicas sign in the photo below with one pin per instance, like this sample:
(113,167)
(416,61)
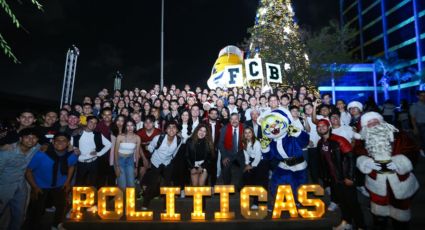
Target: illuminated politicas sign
(84,197)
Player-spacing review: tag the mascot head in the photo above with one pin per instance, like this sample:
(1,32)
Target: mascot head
(275,124)
(228,56)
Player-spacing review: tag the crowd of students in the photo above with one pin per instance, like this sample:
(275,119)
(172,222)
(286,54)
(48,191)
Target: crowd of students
(169,136)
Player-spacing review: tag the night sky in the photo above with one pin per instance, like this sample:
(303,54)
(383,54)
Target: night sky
(125,36)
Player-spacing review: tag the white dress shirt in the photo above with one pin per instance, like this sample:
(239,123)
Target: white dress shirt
(184,133)
(87,145)
(253,152)
(213,123)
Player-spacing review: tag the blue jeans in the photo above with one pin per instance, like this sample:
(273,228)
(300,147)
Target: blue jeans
(13,198)
(126,178)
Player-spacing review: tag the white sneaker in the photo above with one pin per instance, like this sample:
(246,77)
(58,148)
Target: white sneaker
(343,226)
(332,207)
(254,207)
(328,190)
(59,227)
(422,153)
(182,194)
(144,208)
(363,190)
(92,209)
(51,209)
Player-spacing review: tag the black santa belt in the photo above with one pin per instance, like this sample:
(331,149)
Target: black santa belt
(291,161)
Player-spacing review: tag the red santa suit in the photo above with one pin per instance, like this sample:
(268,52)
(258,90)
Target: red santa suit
(389,177)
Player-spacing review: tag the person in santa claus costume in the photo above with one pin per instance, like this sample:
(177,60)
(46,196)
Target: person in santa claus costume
(389,177)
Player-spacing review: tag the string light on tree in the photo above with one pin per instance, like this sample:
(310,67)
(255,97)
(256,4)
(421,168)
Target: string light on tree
(275,39)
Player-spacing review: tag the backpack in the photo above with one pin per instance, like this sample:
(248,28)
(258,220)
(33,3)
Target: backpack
(161,139)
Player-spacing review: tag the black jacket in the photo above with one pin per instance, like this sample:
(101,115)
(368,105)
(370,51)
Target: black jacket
(198,152)
(342,158)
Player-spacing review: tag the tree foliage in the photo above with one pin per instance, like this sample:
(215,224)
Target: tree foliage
(329,46)
(7,50)
(275,38)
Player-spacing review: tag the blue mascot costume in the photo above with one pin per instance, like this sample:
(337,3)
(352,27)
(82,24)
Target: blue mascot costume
(282,147)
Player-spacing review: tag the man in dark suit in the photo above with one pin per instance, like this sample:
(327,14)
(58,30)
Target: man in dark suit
(254,125)
(230,146)
(214,129)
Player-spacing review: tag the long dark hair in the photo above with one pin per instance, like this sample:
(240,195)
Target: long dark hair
(208,138)
(189,122)
(114,128)
(245,141)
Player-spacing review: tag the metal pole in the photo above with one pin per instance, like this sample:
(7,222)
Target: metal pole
(73,75)
(384,27)
(375,87)
(162,45)
(359,12)
(333,84)
(64,78)
(418,35)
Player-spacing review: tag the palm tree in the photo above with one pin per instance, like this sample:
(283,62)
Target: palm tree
(7,50)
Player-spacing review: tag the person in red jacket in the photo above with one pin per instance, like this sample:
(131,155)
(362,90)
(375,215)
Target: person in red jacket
(338,170)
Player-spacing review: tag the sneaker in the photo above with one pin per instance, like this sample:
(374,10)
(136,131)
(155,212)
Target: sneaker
(422,153)
(328,190)
(254,207)
(61,227)
(92,209)
(343,226)
(51,209)
(68,215)
(182,194)
(363,190)
(144,208)
(332,207)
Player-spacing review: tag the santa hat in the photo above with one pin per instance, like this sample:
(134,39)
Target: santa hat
(191,94)
(355,104)
(206,104)
(370,116)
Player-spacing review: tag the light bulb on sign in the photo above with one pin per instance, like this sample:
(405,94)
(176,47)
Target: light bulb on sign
(284,192)
(116,214)
(246,212)
(224,191)
(170,193)
(305,201)
(130,210)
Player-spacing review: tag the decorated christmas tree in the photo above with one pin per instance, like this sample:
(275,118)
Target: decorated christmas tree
(275,38)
